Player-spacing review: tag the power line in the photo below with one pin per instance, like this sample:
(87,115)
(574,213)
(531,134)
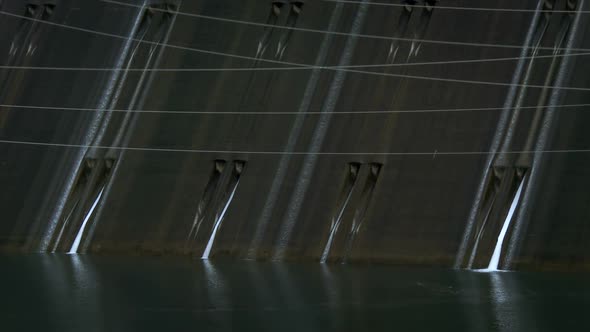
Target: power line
(299,67)
(438,7)
(346,34)
(360,112)
(462,81)
(185,48)
(201,151)
(148,42)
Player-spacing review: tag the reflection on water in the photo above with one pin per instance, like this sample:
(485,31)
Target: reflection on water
(85,293)
(219,299)
(503,295)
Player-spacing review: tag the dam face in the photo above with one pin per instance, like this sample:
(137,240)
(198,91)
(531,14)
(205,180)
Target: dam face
(298,130)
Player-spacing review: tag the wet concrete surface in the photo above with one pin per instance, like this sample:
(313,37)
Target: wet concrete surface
(421,202)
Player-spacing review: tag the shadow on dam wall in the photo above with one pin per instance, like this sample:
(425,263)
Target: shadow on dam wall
(265,130)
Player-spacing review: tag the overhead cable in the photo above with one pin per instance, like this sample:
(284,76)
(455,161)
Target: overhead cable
(346,34)
(448,80)
(302,153)
(462,8)
(360,112)
(298,67)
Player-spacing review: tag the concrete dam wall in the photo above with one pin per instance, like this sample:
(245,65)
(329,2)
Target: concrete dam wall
(449,133)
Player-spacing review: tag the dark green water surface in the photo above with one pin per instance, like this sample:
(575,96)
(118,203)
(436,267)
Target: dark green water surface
(89,293)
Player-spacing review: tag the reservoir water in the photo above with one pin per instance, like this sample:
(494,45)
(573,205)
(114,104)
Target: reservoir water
(105,293)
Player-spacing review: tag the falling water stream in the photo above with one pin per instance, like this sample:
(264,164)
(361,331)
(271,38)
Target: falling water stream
(218,221)
(503,122)
(110,89)
(495,260)
(334,228)
(76,243)
(319,134)
(294,135)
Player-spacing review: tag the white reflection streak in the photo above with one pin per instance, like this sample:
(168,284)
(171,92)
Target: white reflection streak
(217,292)
(501,303)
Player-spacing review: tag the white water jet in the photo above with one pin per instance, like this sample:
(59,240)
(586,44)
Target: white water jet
(334,228)
(495,260)
(78,239)
(497,139)
(218,223)
(479,234)
(319,134)
(544,135)
(93,129)
(294,135)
